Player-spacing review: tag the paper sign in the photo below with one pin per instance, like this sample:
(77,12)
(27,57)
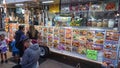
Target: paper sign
(92,54)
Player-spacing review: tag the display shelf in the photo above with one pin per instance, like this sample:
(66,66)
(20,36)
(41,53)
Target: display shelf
(92,13)
(73,54)
(88,11)
(74,12)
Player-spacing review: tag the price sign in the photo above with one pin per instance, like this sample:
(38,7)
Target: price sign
(92,54)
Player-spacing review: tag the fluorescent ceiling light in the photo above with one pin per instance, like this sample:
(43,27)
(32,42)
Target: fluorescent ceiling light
(19,5)
(48,1)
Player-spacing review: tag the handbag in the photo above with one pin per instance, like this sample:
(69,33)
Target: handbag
(17,66)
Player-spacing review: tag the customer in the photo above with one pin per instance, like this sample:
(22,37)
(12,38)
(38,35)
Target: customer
(3,49)
(18,38)
(19,33)
(15,51)
(32,34)
(31,55)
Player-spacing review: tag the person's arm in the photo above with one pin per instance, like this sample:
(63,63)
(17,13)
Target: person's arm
(15,36)
(37,33)
(12,43)
(25,58)
(27,34)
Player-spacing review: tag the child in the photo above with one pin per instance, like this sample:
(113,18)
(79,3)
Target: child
(3,49)
(15,51)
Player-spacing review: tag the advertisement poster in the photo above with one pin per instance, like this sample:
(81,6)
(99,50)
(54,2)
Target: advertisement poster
(45,36)
(110,52)
(56,37)
(50,36)
(62,39)
(68,38)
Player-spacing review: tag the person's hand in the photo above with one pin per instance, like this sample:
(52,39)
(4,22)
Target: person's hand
(104,64)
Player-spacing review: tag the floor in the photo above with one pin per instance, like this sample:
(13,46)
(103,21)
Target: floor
(8,65)
(53,64)
(48,63)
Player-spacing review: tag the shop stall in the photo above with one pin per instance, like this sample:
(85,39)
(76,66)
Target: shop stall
(85,30)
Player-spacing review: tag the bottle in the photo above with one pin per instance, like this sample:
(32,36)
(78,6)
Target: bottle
(94,23)
(111,23)
(99,23)
(89,23)
(105,23)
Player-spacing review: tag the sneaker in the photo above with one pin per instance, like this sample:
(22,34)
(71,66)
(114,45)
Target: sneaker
(2,61)
(6,61)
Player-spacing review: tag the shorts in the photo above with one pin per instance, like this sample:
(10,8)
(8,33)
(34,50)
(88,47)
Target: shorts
(3,50)
(15,53)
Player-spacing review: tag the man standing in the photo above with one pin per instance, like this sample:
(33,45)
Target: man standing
(18,35)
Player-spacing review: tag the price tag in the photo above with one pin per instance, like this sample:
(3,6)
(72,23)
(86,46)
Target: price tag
(92,54)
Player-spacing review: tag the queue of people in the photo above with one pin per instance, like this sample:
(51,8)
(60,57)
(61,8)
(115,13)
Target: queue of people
(24,48)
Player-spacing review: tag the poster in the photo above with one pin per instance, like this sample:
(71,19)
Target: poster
(50,36)
(56,37)
(68,38)
(92,54)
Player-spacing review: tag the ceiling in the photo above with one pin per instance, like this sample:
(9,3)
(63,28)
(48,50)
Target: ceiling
(37,3)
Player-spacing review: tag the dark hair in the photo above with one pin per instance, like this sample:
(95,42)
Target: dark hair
(25,39)
(2,35)
(21,27)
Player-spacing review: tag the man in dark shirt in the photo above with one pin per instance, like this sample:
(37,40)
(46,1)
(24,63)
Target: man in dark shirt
(19,33)
(18,38)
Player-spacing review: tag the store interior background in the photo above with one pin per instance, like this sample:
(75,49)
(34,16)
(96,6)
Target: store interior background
(64,23)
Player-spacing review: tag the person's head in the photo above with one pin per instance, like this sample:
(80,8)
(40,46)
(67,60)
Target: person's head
(22,27)
(32,30)
(31,27)
(26,42)
(2,36)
